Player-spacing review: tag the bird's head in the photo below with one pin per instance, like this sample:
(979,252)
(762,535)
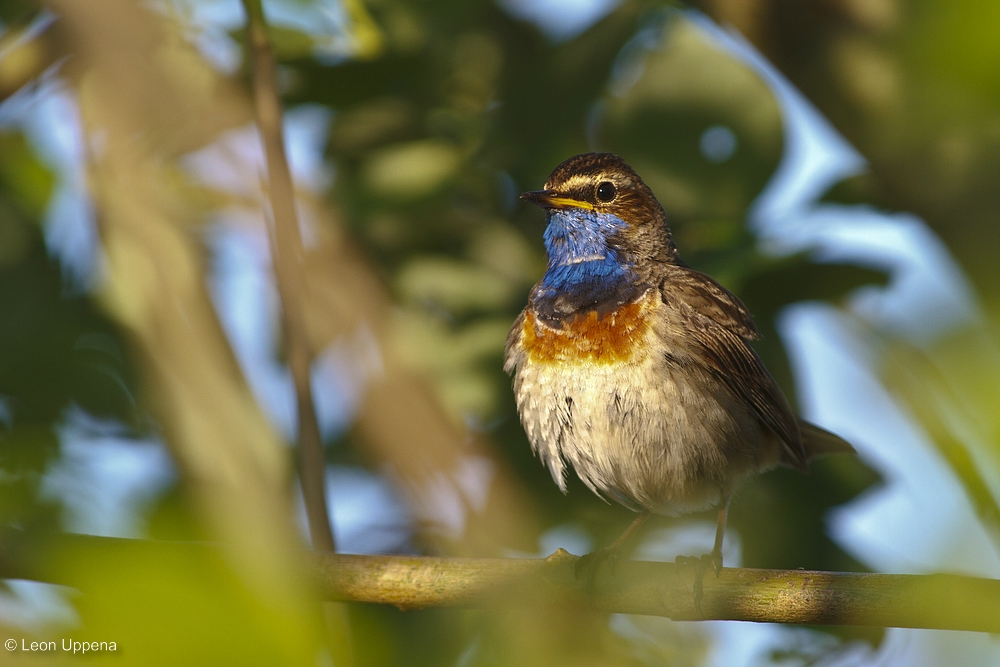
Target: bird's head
(600,212)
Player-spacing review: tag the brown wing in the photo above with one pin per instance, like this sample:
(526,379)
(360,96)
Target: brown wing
(721,326)
(819,442)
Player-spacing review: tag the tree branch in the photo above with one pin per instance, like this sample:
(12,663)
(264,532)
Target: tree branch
(938,601)
(288,258)
(664,589)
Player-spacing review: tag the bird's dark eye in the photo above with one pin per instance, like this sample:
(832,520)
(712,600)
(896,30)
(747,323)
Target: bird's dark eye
(606,191)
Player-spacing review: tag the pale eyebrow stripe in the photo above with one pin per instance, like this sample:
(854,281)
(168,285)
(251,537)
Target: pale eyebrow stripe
(580,179)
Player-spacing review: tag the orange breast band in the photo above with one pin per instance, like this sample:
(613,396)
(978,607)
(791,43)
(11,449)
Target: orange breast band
(613,337)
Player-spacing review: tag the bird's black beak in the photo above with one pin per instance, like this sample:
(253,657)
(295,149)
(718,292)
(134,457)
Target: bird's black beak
(542,198)
(552,199)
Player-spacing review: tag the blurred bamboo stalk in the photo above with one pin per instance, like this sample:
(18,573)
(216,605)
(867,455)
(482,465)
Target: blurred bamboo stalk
(289,269)
(936,601)
(288,259)
(145,99)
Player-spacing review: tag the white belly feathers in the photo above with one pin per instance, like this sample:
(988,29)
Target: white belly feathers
(619,419)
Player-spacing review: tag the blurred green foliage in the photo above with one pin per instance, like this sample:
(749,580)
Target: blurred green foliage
(57,349)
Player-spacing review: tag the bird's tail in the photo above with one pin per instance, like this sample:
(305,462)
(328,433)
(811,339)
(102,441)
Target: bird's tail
(820,442)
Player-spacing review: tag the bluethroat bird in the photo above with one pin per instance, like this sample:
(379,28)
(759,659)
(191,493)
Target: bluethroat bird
(635,369)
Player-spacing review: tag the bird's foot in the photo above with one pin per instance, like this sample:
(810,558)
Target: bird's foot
(701,564)
(714,558)
(588,565)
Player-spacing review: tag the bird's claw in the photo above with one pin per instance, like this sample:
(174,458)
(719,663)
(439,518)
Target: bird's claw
(715,560)
(701,564)
(587,566)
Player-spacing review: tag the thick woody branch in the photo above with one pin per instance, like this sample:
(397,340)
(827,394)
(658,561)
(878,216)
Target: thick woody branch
(939,601)
(665,589)
(288,258)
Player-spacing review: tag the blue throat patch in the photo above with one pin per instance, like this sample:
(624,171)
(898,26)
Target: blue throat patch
(580,260)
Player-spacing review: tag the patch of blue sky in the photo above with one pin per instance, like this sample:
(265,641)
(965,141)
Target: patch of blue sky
(368,515)
(104,478)
(568,536)
(235,164)
(212,21)
(441,501)
(306,130)
(209,23)
(35,607)
(689,538)
(48,115)
(316,17)
(242,289)
(560,20)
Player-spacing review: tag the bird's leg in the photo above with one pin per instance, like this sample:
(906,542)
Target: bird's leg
(588,565)
(713,558)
